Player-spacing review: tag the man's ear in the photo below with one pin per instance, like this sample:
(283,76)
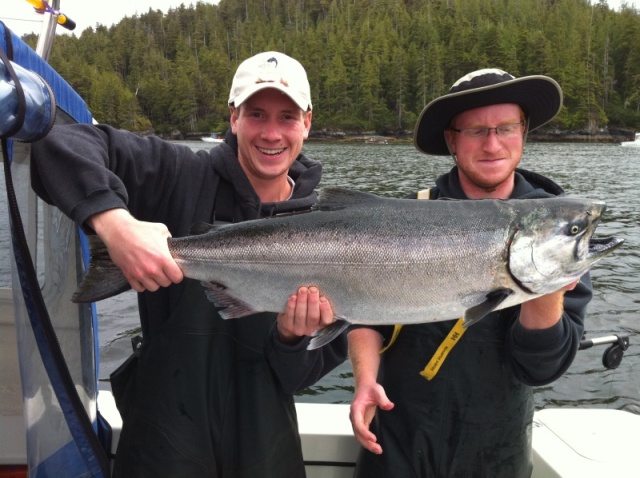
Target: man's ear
(234,118)
(307,123)
(449,138)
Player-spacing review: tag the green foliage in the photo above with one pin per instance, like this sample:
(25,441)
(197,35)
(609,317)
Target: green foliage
(372,64)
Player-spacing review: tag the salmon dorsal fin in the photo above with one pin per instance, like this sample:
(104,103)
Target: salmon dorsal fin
(339,198)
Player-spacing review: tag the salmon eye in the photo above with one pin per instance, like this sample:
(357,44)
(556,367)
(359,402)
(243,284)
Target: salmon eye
(575,228)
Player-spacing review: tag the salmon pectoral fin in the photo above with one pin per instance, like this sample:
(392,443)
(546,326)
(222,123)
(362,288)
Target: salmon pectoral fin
(233,307)
(477,312)
(324,336)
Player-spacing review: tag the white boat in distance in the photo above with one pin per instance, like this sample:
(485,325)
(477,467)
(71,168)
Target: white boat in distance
(632,144)
(213,138)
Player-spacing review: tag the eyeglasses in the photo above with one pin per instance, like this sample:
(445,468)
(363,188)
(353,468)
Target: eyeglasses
(504,130)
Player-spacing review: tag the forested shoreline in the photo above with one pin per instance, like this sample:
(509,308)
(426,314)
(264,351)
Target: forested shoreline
(372,64)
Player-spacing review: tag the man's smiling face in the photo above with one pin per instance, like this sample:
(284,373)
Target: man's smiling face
(271,130)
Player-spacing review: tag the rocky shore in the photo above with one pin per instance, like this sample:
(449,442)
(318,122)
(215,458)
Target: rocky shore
(604,135)
(542,135)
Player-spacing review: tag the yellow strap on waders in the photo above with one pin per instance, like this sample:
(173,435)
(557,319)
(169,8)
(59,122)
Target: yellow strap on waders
(447,344)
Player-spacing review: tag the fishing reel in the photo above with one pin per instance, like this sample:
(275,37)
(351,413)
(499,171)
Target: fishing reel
(612,356)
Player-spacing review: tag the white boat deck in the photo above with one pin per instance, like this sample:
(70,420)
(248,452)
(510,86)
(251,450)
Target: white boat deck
(567,442)
(579,442)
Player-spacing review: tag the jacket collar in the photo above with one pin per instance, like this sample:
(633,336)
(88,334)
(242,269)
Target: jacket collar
(527,185)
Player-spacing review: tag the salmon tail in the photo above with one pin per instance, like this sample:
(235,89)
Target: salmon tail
(327,334)
(103,279)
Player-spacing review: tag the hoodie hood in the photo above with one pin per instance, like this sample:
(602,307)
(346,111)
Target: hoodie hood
(528,185)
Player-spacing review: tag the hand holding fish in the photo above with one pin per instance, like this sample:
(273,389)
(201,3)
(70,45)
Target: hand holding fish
(544,311)
(138,248)
(306,312)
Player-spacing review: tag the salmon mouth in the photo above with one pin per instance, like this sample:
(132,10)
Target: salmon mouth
(600,246)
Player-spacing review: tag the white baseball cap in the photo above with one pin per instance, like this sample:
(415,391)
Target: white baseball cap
(271,69)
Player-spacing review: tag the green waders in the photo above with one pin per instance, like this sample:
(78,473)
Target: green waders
(202,394)
(472,420)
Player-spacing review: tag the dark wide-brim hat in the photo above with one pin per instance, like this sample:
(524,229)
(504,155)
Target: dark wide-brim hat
(540,97)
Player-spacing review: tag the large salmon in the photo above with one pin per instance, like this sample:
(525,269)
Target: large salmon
(389,261)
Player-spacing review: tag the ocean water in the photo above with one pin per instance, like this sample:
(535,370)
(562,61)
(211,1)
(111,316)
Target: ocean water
(598,171)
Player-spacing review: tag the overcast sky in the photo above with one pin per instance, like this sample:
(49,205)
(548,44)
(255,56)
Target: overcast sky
(18,15)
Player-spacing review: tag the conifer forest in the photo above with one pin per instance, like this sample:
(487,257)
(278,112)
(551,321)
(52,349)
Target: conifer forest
(372,64)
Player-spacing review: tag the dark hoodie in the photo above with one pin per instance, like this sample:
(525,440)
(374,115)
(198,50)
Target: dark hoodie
(203,395)
(473,419)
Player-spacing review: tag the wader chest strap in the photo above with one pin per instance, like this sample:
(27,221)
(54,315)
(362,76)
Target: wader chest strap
(445,347)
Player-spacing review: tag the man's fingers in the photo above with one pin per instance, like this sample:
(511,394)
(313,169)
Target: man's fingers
(326,312)
(362,433)
(301,303)
(306,312)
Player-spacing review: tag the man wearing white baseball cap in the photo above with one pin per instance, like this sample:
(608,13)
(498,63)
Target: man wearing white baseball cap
(455,402)
(201,396)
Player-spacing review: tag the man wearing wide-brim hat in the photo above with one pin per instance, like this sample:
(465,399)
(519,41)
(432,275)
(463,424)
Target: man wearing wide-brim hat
(462,405)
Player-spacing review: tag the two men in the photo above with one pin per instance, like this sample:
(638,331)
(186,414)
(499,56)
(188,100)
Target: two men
(212,398)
